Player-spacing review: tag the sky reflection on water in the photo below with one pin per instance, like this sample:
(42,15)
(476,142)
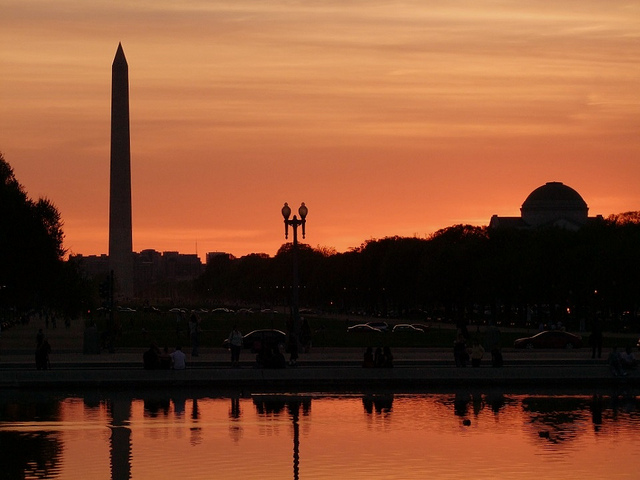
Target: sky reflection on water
(193,436)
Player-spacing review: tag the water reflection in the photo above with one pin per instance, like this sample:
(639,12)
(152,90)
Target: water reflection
(195,429)
(597,405)
(120,445)
(175,434)
(31,455)
(274,405)
(34,453)
(235,426)
(380,403)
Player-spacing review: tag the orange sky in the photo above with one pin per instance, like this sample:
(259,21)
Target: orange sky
(385,118)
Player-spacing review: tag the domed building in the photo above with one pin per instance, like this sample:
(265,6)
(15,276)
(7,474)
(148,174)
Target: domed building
(553,204)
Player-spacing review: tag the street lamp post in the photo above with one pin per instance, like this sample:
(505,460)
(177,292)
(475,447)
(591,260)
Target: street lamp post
(295,222)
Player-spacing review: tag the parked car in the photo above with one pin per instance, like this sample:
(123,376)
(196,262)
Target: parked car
(255,340)
(382,326)
(406,328)
(421,326)
(363,328)
(221,310)
(550,339)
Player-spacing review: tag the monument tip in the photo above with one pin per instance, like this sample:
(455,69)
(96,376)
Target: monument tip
(120,58)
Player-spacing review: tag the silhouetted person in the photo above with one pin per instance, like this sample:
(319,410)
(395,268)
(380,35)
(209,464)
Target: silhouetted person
(236,342)
(165,359)
(151,358)
(378,357)
(387,357)
(194,330)
(628,359)
(178,359)
(271,357)
(293,349)
(615,363)
(42,355)
(477,352)
(460,354)
(179,319)
(39,337)
(496,357)
(306,336)
(367,361)
(596,339)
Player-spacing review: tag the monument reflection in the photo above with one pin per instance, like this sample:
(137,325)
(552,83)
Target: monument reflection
(199,435)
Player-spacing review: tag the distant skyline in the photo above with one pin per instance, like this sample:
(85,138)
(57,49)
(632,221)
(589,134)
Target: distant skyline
(385,118)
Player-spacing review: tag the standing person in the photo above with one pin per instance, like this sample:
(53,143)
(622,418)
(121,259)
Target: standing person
(178,359)
(496,357)
(387,361)
(194,328)
(378,358)
(42,355)
(615,363)
(306,335)
(236,343)
(460,350)
(39,338)
(477,352)
(179,318)
(293,349)
(367,361)
(596,339)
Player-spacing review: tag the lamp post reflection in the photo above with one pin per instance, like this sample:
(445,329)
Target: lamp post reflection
(295,222)
(274,405)
(294,411)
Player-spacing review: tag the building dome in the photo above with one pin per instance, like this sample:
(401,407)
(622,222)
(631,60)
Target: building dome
(552,204)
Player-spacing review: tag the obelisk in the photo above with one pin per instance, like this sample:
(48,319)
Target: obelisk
(120,231)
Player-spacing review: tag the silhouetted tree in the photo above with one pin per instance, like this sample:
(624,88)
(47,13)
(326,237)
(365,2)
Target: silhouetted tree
(32,271)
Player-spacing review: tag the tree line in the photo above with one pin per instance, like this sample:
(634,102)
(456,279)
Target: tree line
(461,273)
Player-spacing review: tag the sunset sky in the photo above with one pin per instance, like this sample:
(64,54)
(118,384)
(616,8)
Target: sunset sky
(385,118)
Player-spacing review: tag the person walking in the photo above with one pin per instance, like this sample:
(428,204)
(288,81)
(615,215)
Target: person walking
(194,331)
(236,343)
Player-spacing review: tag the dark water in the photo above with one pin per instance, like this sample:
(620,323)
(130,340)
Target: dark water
(198,435)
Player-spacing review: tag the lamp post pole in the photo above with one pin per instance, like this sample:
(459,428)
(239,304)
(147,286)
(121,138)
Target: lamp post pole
(295,222)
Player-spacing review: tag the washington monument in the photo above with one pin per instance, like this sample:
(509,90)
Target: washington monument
(120,231)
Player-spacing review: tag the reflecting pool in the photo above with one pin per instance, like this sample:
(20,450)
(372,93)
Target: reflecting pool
(200,435)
